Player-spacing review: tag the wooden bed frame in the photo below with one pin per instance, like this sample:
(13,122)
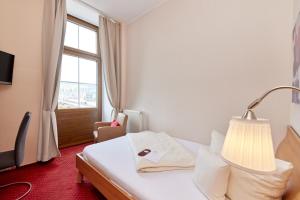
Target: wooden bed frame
(289,150)
(100,181)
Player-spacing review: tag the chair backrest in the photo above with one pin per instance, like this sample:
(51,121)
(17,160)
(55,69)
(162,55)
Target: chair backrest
(20,140)
(122,119)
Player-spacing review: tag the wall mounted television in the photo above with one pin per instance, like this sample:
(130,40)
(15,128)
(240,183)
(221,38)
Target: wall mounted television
(6,68)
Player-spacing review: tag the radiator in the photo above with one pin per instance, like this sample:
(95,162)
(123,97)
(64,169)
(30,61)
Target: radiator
(135,121)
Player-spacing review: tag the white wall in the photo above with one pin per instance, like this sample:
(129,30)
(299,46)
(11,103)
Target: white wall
(193,64)
(80,10)
(296,8)
(21,26)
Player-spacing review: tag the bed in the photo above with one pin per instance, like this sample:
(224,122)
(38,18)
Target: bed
(117,178)
(289,150)
(122,172)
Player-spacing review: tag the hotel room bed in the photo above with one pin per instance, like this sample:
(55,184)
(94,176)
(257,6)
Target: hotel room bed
(110,167)
(175,185)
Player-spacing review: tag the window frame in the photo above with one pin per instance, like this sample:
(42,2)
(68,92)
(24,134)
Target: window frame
(89,56)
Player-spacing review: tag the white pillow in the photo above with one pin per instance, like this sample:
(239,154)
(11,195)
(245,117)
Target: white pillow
(245,185)
(216,142)
(211,175)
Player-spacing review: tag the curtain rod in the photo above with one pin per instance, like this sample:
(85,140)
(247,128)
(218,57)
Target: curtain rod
(100,12)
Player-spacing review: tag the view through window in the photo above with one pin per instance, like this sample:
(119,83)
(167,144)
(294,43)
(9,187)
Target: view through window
(79,80)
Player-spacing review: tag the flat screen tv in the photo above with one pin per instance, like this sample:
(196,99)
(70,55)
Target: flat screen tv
(6,68)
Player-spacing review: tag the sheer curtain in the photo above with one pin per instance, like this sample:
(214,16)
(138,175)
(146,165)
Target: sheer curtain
(110,51)
(54,24)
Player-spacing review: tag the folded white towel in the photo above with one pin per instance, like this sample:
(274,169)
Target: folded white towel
(169,155)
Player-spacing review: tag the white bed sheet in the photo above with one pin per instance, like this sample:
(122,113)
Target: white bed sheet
(115,158)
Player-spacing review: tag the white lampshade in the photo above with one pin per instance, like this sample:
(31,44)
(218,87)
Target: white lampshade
(248,145)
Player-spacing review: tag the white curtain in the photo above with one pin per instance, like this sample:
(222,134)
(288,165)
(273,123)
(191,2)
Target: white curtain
(110,50)
(54,24)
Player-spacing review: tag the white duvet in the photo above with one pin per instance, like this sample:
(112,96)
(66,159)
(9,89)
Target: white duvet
(172,154)
(114,159)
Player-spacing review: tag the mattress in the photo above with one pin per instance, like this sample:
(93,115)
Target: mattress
(116,160)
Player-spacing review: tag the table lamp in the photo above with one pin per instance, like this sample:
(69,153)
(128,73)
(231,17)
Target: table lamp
(248,144)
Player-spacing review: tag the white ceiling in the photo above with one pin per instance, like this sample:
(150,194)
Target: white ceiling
(122,10)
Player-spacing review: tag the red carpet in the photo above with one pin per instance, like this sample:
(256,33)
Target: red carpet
(54,180)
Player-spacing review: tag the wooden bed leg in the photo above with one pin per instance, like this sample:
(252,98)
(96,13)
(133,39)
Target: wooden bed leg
(79,177)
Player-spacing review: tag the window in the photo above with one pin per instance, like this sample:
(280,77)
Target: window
(79,69)
(82,38)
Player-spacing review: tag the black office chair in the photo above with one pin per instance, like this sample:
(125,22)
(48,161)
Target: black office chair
(15,157)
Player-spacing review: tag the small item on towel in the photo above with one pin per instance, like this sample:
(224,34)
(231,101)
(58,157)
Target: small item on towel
(114,123)
(154,156)
(144,152)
